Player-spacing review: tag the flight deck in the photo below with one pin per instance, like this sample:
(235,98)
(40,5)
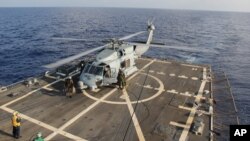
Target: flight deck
(163,101)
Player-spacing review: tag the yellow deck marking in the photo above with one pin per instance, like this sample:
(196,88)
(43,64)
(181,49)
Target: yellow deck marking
(193,110)
(134,118)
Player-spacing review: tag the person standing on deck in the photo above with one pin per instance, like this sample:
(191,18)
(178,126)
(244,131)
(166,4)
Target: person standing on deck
(39,137)
(16,123)
(121,79)
(69,87)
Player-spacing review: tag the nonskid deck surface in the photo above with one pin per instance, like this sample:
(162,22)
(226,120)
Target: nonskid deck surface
(157,104)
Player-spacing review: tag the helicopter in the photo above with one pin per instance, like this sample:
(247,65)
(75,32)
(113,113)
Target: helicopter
(113,57)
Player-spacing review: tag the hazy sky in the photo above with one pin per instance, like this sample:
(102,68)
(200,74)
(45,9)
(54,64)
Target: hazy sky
(221,5)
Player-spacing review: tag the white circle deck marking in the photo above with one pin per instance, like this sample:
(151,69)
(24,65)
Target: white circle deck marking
(160,90)
(194,78)
(171,74)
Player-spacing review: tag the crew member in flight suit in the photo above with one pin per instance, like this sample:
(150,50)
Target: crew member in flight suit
(69,87)
(121,79)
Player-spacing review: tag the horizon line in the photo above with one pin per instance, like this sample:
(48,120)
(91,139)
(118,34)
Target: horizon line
(209,10)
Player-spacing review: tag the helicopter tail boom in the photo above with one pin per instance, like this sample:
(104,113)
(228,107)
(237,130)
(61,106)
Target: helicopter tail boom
(151,29)
(141,49)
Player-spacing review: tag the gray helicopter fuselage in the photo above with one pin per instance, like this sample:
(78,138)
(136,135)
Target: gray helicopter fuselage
(104,70)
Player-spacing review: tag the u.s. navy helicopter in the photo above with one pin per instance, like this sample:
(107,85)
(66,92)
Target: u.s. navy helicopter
(113,57)
(116,56)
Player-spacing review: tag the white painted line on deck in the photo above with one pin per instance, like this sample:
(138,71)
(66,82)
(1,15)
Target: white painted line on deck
(156,60)
(151,71)
(194,78)
(152,61)
(148,86)
(51,89)
(204,73)
(197,111)
(185,108)
(31,92)
(172,91)
(122,97)
(163,61)
(183,76)
(189,65)
(178,124)
(187,94)
(159,92)
(52,77)
(134,118)
(42,124)
(193,110)
(25,95)
(172,74)
(49,137)
(194,69)
(161,73)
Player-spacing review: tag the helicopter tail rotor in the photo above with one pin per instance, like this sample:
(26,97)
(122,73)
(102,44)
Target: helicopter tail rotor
(151,25)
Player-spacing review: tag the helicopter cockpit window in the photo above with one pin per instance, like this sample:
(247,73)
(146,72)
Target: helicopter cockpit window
(98,70)
(86,68)
(95,70)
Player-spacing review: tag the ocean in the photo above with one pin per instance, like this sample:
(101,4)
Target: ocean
(26,40)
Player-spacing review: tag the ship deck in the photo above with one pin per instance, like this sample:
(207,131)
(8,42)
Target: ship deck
(157,105)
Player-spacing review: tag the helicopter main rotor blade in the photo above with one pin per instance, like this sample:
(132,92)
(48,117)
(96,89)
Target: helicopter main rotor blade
(68,39)
(74,57)
(131,35)
(174,47)
(75,39)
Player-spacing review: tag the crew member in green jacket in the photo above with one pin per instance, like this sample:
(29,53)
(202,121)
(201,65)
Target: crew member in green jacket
(39,137)
(121,79)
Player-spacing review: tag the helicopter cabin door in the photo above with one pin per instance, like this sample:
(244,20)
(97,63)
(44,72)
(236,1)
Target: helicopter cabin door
(109,76)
